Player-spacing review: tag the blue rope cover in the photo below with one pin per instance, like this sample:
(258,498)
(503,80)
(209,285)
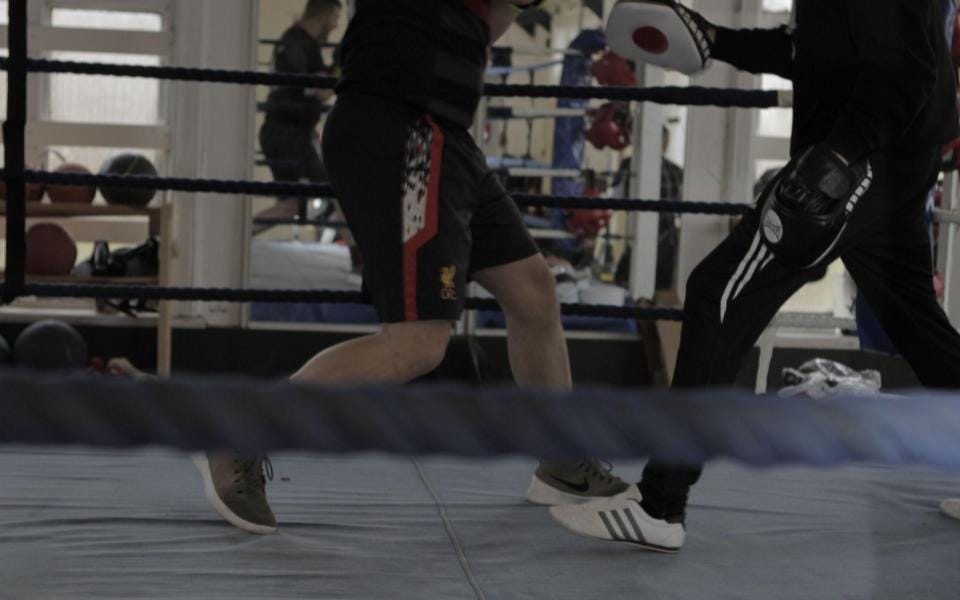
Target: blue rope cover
(255,416)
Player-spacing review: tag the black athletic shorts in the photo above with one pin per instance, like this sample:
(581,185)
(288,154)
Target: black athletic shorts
(423,207)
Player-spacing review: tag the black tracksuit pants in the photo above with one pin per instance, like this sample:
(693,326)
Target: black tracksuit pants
(737,290)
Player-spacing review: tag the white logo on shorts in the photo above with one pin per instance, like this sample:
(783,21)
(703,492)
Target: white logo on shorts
(772,227)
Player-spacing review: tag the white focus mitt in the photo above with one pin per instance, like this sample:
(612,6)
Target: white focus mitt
(660,32)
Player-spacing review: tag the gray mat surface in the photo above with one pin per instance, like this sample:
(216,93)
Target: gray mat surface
(296,265)
(90,524)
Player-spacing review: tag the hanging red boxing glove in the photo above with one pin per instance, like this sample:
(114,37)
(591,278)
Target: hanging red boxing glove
(613,69)
(611,126)
(588,223)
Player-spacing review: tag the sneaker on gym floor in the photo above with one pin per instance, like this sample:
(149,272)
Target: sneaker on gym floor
(570,483)
(235,485)
(622,519)
(951,507)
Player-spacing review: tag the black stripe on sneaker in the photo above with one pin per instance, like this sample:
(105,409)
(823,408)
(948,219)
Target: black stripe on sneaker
(606,521)
(623,528)
(633,523)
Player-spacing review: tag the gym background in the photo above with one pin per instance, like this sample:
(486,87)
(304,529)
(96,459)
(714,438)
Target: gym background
(207,240)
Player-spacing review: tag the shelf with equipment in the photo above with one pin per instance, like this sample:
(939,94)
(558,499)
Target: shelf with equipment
(99,221)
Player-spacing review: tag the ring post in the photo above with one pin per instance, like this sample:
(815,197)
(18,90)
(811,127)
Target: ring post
(14,142)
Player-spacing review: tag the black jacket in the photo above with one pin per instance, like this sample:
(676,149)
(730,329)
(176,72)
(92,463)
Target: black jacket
(868,75)
(298,53)
(428,54)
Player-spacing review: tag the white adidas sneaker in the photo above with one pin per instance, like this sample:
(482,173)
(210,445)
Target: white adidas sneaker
(620,518)
(951,507)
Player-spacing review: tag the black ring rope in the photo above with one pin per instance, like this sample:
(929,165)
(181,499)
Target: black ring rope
(691,96)
(183,184)
(632,204)
(199,294)
(273,42)
(198,74)
(293,189)
(683,96)
(14,140)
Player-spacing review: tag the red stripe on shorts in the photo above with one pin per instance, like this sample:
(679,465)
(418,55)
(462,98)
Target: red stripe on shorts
(412,246)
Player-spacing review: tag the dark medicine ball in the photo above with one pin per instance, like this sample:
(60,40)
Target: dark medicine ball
(50,250)
(128,164)
(50,345)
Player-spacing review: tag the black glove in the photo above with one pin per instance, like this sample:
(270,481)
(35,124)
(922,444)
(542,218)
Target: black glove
(805,212)
(820,179)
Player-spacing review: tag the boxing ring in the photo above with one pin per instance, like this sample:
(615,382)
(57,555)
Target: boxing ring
(416,492)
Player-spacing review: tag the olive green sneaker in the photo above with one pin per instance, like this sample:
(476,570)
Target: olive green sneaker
(235,485)
(556,484)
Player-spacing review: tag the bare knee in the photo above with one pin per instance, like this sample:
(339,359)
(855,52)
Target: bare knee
(534,302)
(419,346)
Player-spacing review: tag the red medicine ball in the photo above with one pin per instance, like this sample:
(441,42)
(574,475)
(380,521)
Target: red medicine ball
(68,194)
(50,250)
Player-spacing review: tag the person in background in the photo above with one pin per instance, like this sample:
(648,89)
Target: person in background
(289,137)
(671,190)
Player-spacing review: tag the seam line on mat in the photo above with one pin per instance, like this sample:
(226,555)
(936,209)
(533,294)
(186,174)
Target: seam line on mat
(451,532)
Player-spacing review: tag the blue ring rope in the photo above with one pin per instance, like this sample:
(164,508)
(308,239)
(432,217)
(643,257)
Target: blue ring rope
(680,427)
